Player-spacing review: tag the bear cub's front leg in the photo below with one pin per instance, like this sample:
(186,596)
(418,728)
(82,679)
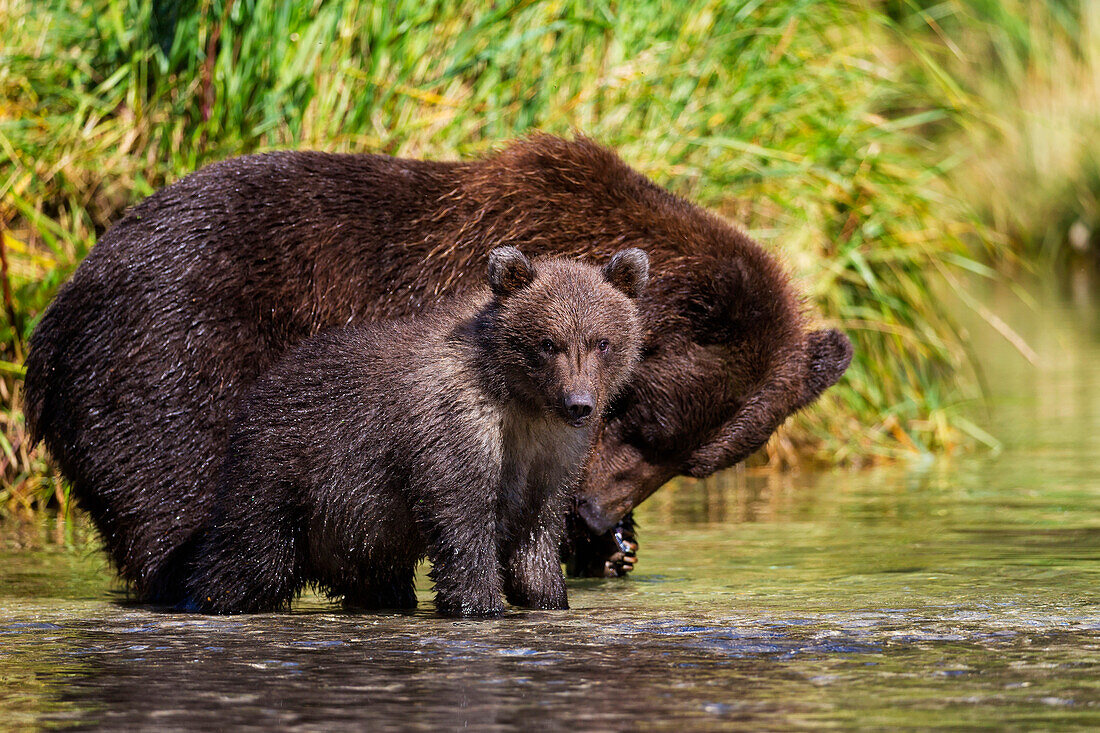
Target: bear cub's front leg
(532,572)
(465,569)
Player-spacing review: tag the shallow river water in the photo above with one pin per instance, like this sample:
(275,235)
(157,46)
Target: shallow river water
(936,593)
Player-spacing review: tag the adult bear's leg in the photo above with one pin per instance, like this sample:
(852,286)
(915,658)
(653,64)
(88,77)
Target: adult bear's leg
(608,555)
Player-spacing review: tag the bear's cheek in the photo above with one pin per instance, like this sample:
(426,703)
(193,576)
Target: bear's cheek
(623,365)
(550,378)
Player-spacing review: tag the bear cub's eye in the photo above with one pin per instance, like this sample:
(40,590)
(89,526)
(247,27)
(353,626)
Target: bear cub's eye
(547,346)
(603,345)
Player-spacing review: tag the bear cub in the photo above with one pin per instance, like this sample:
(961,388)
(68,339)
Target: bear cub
(458,435)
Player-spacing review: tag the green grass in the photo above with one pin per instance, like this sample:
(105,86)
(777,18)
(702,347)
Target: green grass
(1035,172)
(810,123)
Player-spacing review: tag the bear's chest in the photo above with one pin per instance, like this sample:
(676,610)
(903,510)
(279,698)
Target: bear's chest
(540,457)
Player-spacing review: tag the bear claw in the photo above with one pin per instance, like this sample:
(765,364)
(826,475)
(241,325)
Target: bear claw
(622,562)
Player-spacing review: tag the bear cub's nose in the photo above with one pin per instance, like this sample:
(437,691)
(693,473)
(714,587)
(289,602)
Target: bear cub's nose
(579,407)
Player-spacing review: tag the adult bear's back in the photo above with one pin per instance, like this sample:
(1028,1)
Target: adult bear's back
(135,366)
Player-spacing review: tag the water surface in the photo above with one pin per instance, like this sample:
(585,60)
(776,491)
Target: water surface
(931,594)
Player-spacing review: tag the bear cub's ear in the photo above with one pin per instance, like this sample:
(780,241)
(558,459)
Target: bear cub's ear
(628,271)
(509,271)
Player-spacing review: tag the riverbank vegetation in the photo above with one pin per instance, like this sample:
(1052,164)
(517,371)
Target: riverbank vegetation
(1033,71)
(864,142)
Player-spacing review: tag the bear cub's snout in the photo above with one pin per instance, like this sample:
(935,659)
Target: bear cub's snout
(580,406)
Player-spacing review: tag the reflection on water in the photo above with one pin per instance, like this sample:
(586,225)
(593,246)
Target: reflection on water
(938,593)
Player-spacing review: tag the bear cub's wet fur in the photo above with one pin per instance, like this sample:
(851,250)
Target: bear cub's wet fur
(458,435)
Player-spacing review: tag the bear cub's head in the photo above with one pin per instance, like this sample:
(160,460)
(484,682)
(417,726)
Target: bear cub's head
(566,335)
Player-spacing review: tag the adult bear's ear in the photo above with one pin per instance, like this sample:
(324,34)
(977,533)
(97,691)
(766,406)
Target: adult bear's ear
(828,354)
(628,270)
(509,271)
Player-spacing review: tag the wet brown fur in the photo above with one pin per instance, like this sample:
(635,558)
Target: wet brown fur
(136,367)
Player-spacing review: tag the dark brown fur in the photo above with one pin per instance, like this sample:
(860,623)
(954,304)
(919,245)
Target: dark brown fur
(458,435)
(137,365)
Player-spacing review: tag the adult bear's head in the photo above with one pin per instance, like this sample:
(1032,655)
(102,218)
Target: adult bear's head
(720,371)
(727,356)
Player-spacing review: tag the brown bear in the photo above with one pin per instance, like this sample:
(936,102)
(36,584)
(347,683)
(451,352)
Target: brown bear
(136,366)
(459,434)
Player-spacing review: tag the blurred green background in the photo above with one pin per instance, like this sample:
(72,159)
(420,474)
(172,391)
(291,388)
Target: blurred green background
(889,152)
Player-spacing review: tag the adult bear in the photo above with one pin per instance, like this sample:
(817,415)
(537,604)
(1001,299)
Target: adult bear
(137,365)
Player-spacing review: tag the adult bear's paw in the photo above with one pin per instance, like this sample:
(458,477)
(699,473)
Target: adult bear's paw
(609,555)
